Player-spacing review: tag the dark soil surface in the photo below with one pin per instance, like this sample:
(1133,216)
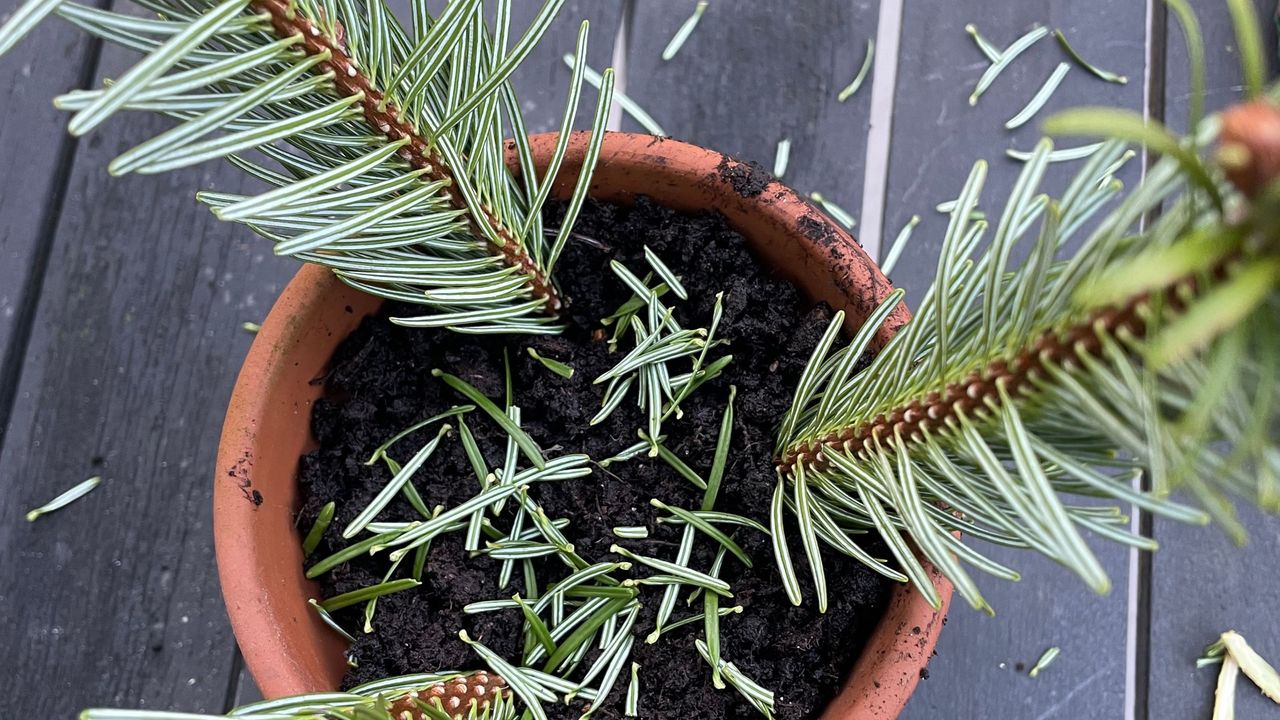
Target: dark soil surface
(380,382)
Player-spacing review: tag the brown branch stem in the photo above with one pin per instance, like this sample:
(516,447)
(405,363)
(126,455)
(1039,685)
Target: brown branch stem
(980,388)
(454,697)
(385,118)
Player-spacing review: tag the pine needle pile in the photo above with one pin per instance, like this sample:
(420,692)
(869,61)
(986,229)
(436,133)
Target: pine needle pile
(579,616)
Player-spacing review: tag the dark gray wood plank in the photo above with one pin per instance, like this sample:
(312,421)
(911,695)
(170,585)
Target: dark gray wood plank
(245,690)
(542,81)
(1223,84)
(114,600)
(937,136)
(754,73)
(36,152)
(1202,583)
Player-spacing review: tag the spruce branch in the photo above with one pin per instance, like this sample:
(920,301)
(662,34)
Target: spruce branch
(1018,388)
(389,144)
(448,695)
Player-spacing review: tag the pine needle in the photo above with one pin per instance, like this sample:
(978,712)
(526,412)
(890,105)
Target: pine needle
(852,87)
(837,213)
(686,29)
(1045,660)
(66,498)
(1094,69)
(633,692)
(664,273)
(554,366)
(633,109)
(947,206)
(682,469)
(630,453)
(1255,668)
(1224,695)
(522,439)
(990,51)
(899,244)
(327,619)
(781,157)
(1041,97)
(1006,58)
(1079,152)
(363,594)
(323,520)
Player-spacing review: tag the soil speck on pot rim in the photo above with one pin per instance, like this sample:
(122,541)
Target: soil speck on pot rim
(748,179)
(380,382)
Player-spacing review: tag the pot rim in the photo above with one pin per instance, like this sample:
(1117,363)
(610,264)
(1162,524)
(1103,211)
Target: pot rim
(898,649)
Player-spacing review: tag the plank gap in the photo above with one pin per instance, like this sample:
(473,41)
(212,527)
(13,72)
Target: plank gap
(38,264)
(621,49)
(231,699)
(1138,640)
(1201,582)
(884,80)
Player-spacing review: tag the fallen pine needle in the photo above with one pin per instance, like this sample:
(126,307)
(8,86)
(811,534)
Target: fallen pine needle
(1041,97)
(947,206)
(852,87)
(1224,696)
(1254,667)
(781,157)
(1079,152)
(840,215)
(1045,659)
(991,51)
(635,111)
(1007,56)
(66,498)
(1095,70)
(686,29)
(899,244)
(551,364)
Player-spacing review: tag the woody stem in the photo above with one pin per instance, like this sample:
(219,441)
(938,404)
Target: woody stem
(387,119)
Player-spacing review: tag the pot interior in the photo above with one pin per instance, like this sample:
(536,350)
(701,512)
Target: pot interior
(286,646)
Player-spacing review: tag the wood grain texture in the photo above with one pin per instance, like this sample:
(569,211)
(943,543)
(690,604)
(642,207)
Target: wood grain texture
(753,73)
(937,135)
(137,340)
(979,670)
(542,81)
(244,690)
(1202,583)
(35,151)
(114,600)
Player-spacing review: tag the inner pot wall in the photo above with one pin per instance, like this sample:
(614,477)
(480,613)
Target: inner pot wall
(287,648)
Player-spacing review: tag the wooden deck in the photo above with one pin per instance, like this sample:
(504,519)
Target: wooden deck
(121,302)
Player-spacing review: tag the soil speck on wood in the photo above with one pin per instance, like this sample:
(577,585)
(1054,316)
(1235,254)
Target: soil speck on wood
(380,382)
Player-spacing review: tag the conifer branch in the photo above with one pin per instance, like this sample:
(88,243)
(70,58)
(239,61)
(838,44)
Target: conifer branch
(987,386)
(385,117)
(1153,349)
(478,695)
(389,144)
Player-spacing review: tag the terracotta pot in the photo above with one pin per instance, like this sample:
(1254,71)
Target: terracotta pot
(286,647)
